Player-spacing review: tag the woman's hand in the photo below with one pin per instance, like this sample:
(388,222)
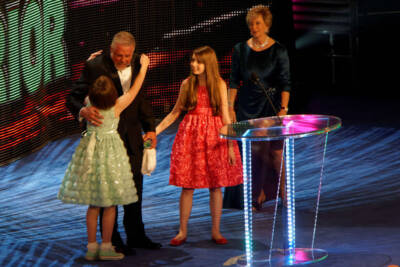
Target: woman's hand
(282,112)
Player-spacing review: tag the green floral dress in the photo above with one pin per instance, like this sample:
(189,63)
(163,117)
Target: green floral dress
(99,173)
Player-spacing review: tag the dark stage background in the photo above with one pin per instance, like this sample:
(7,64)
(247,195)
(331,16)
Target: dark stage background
(337,48)
(342,56)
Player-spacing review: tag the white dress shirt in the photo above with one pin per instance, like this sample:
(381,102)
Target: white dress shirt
(125,77)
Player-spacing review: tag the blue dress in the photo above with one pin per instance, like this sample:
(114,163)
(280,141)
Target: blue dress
(99,173)
(271,66)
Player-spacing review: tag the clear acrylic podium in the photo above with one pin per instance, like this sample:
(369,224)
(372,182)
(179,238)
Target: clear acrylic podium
(285,128)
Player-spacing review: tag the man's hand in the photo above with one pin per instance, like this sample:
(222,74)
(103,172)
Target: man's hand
(92,115)
(152,136)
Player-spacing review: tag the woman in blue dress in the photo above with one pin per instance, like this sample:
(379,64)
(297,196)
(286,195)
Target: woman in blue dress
(267,59)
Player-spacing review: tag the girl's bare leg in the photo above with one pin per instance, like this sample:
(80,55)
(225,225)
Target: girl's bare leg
(185,208)
(91,223)
(108,223)
(216,211)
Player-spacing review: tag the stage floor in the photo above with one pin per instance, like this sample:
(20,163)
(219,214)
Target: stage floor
(358,222)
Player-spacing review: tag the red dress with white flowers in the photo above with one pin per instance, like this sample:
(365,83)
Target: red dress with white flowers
(199,157)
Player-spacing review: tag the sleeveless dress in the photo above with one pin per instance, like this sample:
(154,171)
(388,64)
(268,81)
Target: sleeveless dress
(99,173)
(199,157)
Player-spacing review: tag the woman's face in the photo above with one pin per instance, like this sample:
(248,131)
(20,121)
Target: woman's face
(196,66)
(257,27)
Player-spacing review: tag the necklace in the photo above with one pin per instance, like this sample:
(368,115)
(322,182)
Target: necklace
(258,46)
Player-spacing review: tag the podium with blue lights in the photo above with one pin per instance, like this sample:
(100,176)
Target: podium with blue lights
(287,128)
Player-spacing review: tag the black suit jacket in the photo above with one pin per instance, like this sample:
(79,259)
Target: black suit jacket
(137,116)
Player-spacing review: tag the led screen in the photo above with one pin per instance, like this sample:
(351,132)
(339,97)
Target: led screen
(43,46)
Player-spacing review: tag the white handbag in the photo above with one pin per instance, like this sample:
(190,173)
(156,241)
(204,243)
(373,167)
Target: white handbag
(149,161)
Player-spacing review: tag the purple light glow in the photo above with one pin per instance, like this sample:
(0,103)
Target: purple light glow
(302,124)
(84,3)
(301,256)
(299,8)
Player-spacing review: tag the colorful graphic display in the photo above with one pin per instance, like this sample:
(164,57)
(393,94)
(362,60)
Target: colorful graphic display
(44,44)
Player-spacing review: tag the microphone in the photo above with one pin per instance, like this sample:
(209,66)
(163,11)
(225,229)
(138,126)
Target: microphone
(256,80)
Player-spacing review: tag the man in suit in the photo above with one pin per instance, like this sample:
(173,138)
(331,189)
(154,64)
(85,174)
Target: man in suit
(122,66)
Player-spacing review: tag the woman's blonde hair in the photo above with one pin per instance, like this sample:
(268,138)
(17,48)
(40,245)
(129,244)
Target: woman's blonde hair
(262,11)
(205,55)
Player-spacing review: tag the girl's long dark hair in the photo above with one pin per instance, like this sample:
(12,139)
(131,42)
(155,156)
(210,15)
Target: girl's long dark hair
(207,56)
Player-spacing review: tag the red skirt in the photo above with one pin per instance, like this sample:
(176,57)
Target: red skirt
(199,157)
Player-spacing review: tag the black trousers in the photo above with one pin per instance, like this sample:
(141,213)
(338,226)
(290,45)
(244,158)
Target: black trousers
(133,221)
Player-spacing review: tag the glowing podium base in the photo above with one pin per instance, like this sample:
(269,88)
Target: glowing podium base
(285,128)
(281,257)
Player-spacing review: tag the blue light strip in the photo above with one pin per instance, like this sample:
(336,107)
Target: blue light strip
(290,197)
(248,213)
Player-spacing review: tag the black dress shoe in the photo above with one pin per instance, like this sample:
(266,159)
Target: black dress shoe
(145,243)
(126,250)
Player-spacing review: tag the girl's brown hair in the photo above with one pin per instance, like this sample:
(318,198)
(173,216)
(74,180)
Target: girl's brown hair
(205,55)
(102,93)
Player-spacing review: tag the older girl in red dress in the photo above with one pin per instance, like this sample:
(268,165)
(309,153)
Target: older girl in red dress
(200,158)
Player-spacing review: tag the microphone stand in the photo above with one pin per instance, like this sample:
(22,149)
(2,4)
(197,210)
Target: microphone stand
(256,81)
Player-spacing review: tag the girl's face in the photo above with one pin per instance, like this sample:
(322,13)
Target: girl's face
(196,66)
(257,27)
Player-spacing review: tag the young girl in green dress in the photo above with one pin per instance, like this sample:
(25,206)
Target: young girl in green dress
(99,174)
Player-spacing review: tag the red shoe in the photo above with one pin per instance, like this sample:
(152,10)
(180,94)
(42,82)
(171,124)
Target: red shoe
(176,242)
(220,241)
